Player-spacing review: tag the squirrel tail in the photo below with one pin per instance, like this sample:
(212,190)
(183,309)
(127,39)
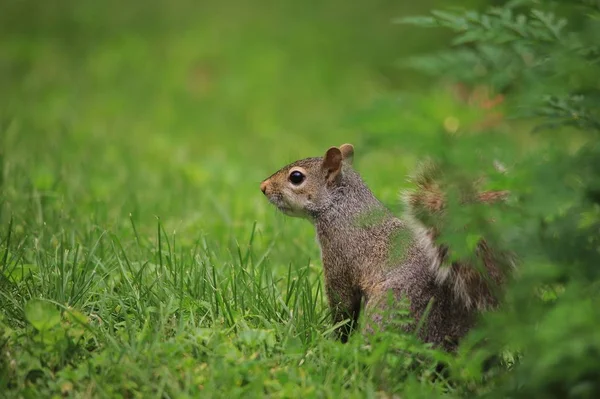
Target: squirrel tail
(477,279)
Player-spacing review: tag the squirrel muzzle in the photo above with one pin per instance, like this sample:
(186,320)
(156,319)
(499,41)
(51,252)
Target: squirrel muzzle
(263,186)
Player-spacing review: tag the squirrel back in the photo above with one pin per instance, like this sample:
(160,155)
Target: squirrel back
(368,253)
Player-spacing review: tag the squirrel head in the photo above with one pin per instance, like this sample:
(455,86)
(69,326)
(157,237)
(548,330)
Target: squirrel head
(304,187)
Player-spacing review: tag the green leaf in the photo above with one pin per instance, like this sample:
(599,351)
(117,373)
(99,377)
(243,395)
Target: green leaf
(42,315)
(468,37)
(472,241)
(20,273)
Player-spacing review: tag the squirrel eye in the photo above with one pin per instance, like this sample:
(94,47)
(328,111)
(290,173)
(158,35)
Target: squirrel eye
(296,177)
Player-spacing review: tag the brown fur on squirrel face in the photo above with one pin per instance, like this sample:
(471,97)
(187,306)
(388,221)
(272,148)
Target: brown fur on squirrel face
(303,188)
(359,239)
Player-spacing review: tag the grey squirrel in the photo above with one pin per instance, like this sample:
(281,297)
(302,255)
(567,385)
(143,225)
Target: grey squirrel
(358,236)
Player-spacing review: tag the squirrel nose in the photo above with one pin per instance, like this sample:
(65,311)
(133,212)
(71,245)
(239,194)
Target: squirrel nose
(263,187)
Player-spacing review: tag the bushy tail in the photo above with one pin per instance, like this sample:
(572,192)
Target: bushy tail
(477,279)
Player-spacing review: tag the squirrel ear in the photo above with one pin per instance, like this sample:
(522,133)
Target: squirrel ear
(332,163)
(347,153)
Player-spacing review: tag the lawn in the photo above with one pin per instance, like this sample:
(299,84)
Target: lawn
(139,258)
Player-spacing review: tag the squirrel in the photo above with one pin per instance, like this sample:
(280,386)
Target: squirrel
(357,235)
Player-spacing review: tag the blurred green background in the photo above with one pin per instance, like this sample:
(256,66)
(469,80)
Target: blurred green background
(106,104)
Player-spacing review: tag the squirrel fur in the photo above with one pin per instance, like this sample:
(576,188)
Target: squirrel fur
(359,236)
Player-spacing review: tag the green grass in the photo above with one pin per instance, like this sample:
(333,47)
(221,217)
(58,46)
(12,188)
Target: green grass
(138,257)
